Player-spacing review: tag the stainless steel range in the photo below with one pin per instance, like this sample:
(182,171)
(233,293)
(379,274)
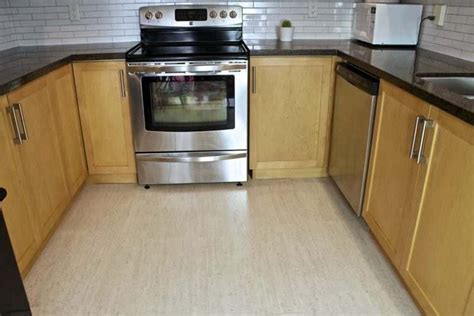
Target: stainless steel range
(188,84)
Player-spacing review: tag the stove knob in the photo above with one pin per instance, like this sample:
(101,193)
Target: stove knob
(213,14)
(148,15)
(159,15)
(233,14)
(223,14)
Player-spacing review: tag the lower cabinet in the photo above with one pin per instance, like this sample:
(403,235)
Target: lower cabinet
(392,173)
(42,160)
(40,152)
(289,116)
(62,91)
(105,116)
(20,220)
(438,265)
(420,203)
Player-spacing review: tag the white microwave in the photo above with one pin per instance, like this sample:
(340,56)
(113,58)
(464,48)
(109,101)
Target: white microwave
(387,24)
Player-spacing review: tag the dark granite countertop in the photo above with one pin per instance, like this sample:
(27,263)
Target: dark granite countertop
(399,66)
(20,65)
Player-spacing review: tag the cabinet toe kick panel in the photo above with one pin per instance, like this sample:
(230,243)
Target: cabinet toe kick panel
(194,167)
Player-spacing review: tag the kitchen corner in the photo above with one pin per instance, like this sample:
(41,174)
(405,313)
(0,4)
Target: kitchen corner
(237,158)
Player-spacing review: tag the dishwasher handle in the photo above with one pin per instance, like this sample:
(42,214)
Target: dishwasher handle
(358,78)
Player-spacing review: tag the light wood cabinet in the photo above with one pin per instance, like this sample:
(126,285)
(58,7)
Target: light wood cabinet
(40,154)
(105,116)
(289,111)
(16,207)
(422,212)
(392,174)
(64,105)
(439,261)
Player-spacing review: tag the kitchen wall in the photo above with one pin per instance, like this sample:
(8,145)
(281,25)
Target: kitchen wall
(456,37)
(47,21)
(7,31)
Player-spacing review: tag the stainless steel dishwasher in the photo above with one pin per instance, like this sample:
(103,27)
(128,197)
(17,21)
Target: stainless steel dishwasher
(352,126)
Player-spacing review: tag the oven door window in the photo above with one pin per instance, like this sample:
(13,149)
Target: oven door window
(189,103)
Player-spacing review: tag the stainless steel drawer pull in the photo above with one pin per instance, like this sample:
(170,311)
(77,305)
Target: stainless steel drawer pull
(254,80)
(122,83)
(413,152)
(421,157)
(192,158)
(16,128)
(23,130)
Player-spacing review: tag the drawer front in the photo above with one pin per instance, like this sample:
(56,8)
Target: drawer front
(195,167)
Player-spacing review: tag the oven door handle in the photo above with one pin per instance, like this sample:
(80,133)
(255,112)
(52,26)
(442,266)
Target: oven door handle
(186,69)
(191,157)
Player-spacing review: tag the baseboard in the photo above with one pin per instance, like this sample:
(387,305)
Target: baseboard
(112,178)
(289,173)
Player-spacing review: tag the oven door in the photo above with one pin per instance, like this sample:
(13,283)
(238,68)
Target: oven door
(189,106)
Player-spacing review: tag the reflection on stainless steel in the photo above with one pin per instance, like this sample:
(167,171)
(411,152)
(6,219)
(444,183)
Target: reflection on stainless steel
(421,157)
(158,141)
(196,167)
(413,152)
(188,89)
(353,119)
(184,67)
(461,85)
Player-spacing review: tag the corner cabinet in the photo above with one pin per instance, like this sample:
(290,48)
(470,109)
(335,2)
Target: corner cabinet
(17,211)
(64,107)
(105,116)
(42,161)
(40,152)
(420,204)
(290,101)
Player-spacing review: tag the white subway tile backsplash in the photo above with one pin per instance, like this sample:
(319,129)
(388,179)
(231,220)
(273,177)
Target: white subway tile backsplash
(454,37)
(46,22)
(117,20)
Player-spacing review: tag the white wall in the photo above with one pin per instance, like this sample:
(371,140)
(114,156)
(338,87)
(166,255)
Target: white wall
(8,36)
(41,22)
(46,22)
(456,37)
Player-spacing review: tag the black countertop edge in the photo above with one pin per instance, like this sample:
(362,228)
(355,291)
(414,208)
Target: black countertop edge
(398,66)
(423,94)
(295,52)
(24,79)
(20,65)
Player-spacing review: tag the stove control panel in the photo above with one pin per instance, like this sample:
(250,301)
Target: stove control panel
(190,16)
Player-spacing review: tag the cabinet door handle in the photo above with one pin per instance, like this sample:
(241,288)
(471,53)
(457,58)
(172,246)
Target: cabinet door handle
(413,152)
(254,80)
(23,130)
(421,157)
(122,83)
(16,128)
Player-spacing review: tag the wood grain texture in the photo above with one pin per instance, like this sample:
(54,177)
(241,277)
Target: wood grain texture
(438,264)
(289,112)
(20,219)
(269,247)
(105,117)
(45,179)
(392,174)
(66,113)
(112,178)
